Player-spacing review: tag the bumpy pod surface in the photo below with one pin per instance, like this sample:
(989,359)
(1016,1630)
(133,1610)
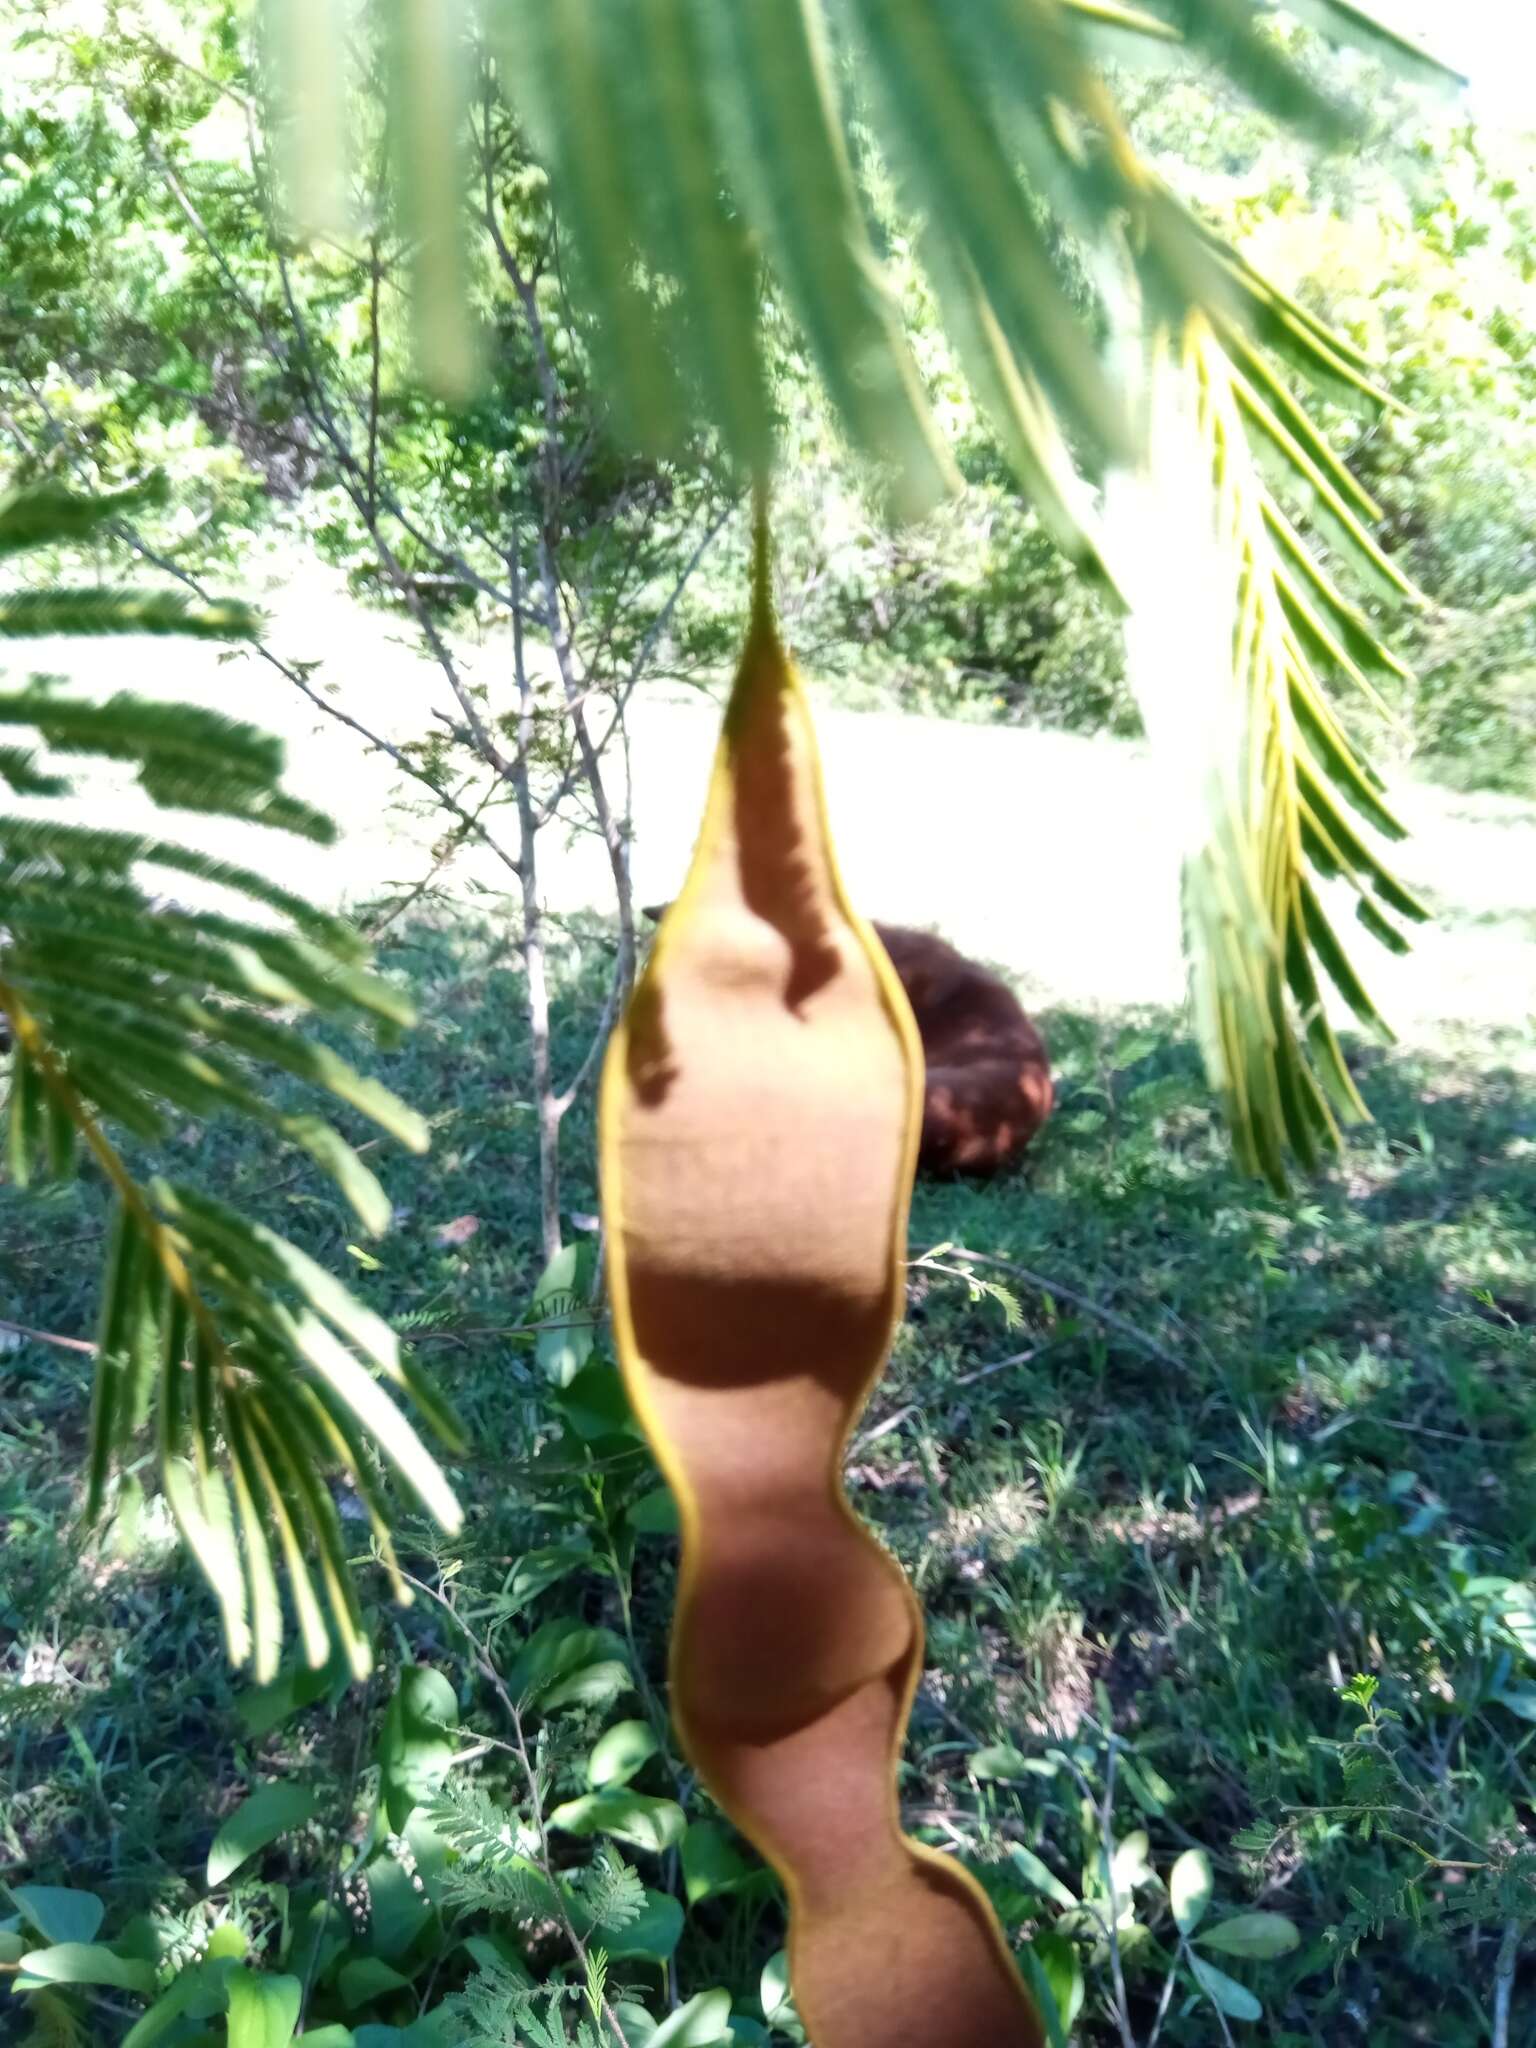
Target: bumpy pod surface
(759,1122)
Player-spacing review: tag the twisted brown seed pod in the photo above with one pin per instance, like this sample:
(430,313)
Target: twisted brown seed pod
(758,1132)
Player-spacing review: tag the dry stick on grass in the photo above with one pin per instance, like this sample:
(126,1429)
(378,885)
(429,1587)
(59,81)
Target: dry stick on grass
(78,1344)
(866,1437)
(1046,1285)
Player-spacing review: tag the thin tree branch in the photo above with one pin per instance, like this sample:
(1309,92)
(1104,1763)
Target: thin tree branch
(534,969)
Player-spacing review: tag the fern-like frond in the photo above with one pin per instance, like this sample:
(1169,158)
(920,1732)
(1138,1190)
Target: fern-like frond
(32,614)
(186,757)
(49,514)
(610,1891)
(261,1373)
(672,127)
(487,1870)
(1278,778)
(498,2008)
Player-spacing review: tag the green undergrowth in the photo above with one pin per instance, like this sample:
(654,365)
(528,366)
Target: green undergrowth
(1219,1510)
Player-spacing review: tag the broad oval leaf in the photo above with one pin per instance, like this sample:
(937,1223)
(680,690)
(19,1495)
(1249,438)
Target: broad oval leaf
(58,1912)
(557,1654)
(774,1994)
(1261,1936)
(655,1513)
(563,1311)
(653,1933)
(198,1993)
(263,2011)
(713,1864)
(703,2021)
(256,1822)
(264,1707)
(999,1760)
(85,1962)
(1131,1866)
(1189,1889)
(619,1753)
(635,1817)
(397,1911)
(1224,1992)
(594,1685)
(1039,1877)
(415,1749)
(1054,1970)
(366,1977)
(536,1570)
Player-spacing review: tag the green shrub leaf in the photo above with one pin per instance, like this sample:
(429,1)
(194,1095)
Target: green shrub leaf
(415,1748)
(57,1912)
(1189,1889)
(1224,1992)
(274,1810)
(1261,1936)
(635,1817)
(704,2020)
(1039,1878)
(85,1962)
(619,1753)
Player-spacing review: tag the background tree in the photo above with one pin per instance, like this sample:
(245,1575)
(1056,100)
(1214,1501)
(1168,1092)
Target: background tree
(710,126)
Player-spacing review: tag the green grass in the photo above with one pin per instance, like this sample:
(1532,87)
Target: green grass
(1253,1451)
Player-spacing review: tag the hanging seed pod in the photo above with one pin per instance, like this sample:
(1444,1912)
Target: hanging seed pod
(758,1129)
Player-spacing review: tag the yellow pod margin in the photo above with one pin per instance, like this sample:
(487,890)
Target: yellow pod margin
(758,1124)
